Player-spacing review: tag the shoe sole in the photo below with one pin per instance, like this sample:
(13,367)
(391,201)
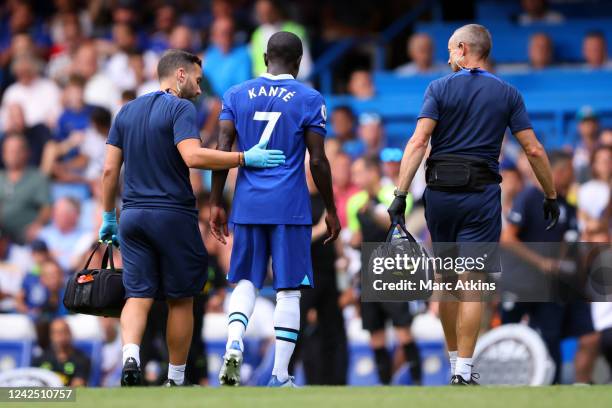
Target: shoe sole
(230,373)
(131,378)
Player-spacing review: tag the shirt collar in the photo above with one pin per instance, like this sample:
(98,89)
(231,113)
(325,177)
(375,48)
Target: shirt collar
(277,77)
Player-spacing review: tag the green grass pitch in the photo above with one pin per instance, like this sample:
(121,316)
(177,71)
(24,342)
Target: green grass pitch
(351,397)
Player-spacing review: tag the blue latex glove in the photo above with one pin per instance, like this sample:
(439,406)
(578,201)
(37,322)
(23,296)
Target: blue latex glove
(258,156)
(108,230)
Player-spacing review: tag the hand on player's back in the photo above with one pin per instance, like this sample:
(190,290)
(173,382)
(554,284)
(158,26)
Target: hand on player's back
(258,156)
(333,227)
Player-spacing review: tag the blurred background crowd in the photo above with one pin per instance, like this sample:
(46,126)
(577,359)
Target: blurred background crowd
(67,67)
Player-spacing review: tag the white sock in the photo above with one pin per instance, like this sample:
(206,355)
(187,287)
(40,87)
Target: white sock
(241,304)
(464,368)
(131,350)
(176,373)
(452,357)
(287,327)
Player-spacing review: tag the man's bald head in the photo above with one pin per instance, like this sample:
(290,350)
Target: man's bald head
(285,50)
(477,38)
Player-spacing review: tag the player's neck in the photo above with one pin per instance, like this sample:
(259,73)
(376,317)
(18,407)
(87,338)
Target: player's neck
(278,70)
(473,63)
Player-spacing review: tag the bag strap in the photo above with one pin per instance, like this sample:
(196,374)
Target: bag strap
(91,255)
(108,257)
(403,229)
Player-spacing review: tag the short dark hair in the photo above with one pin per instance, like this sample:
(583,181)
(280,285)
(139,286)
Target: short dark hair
(345,109)
(371,162)
(101,117)
(175,59)
(596,34)
(284,47)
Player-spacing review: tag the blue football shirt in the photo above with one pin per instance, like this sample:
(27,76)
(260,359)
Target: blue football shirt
(147,130)
(277,109)
(473,108)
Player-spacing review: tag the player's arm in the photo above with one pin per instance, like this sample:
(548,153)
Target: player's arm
(110,176)
(538,160)
(218,213)
(321,174)
(411,160)
(511,241)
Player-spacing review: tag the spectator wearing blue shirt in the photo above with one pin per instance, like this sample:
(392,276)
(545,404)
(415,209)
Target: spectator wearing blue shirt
(225,64)
(76,113)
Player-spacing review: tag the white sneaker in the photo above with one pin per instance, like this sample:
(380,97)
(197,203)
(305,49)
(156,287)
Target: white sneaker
(232,361)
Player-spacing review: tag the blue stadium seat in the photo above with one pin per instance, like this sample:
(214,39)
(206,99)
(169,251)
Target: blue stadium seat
(93,350)
(552,98)
(15,354)
(505,10)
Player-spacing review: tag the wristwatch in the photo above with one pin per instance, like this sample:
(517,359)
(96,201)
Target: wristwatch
(398,193)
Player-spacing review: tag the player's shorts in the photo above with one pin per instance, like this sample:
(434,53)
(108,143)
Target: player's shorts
(374,315)
(473,217)
(163,254)
(289,247)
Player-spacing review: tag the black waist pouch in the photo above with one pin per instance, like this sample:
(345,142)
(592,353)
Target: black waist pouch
(455,173)
(98,292)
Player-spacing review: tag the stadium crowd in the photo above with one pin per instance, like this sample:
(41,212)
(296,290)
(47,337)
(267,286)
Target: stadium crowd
(67,68)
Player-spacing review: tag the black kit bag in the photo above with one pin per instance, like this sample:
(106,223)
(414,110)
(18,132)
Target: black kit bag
(98,292)
(401,244)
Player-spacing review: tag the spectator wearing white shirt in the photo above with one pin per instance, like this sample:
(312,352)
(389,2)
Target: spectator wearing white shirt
(100,90)
(40,98)
(421,53)
(15,262)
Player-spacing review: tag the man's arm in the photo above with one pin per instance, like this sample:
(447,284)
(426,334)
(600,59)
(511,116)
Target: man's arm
(538,160)
(199,157)
(541,167)
(510,239)
(110,176)
(321,174)
(218,215)
(413,156)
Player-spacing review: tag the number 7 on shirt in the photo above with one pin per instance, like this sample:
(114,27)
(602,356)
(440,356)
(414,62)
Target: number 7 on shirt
(271,118)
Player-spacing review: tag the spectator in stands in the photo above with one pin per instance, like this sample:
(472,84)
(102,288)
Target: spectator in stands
(183,38)
(165,20)
(63,233)
(595,51)
(391,158)
(512,184)
(99,90)
(272,19)
(554,321)
(537,11)
(588,131)
(39,97)
(322,345)
(71,364)
(65,48)
(368,221)
(143,84)
(37,136)
(23,21)
(360,85)
(93,146)
(605,137)
(342,183)
(421,53)
(111,352)
(41,296)
(24,192)
(225,63)
(541,51)
(371,133)
(117,67)
(15,261)
(343,124)
(594,205)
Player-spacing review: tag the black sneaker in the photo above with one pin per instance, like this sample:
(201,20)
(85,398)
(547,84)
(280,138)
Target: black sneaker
(458,380)
(131,375)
